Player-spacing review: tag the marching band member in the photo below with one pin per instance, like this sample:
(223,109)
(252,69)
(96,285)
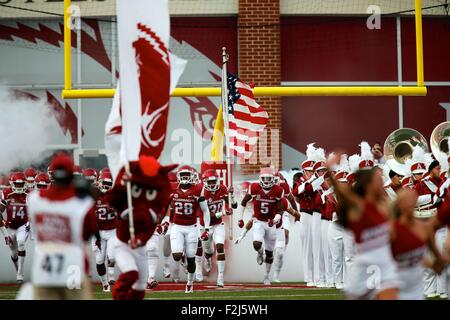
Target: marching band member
(305,192)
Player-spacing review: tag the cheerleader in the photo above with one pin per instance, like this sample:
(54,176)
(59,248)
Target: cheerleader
(364,211)
(409,239)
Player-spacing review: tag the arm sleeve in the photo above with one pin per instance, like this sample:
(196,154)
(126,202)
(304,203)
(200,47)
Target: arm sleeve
(206,215)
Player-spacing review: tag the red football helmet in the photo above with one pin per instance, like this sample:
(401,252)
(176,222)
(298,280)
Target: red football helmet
(266,178)
(185,175)
(17,181)
(42,181)
(105,169)
(278,178)
(77,171)
(30,175)
(211,180)
(105,181)
(91,175)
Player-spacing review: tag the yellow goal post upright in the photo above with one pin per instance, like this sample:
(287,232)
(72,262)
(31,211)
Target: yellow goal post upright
(418,90)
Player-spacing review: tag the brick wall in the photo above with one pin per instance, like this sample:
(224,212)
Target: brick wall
(259,62)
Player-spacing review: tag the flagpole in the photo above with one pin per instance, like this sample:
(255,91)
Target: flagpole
(130,202)
(226,133)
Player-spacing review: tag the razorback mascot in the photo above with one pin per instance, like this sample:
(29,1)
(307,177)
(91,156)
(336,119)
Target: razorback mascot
(150,191)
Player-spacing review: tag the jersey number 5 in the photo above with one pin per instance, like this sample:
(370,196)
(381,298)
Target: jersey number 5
(264,207)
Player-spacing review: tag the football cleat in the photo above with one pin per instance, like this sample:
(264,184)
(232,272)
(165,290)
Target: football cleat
(266,280)
(208,265)
(432,295)
(166,271)
(260,258)
(220,283)
(19,278)
(339,286)
(330,285)
(106,288)
(443,296)
(189,288)
(310,284)
(151,284)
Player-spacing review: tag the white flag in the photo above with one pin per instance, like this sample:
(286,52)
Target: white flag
(148,74)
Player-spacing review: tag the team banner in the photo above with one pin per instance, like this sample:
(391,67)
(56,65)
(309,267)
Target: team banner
(148,74)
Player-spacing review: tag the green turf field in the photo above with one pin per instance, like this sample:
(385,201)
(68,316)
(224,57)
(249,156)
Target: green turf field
(263,293)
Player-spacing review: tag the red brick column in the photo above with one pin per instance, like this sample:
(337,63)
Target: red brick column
(259,62)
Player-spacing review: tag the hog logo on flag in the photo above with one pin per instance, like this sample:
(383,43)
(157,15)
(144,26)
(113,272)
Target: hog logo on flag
(152,58)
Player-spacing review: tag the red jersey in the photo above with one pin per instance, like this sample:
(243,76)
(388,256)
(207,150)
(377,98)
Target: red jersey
(286,188)
(185,205)
(443,214)
(265,202)
(407,248)
(305,196)
(105,213)
(372,229)
(16,209)
(330,205)
(215,201)
(427,186)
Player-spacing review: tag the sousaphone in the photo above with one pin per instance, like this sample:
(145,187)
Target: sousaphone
(439,140)
(398,148)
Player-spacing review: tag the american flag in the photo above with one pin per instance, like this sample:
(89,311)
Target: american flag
(246,118)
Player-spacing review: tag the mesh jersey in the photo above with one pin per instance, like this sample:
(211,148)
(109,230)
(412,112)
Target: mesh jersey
(265,202)
(185,204)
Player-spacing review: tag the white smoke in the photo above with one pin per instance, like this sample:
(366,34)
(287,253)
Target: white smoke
(24,131)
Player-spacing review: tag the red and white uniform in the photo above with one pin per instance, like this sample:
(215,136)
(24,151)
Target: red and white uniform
(183,235)
(16,218)
(374,268)
(265,207)
(61,223)
(216,203)
(426,189)
(443,216)
(408,250)
(106,222)
(325,262)
(305,196)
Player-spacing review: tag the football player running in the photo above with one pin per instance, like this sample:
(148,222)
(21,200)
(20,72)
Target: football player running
(185,201)
(266,196)
(106,223)
(216,195)
(14,203)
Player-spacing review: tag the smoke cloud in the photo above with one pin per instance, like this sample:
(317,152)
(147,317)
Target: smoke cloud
(24,131)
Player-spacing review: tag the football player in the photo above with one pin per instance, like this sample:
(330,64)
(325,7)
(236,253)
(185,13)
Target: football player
(185,201)
(106,224)
(90,175)
(14,202)
(42,181)
(217,196)
(266,197)
(30,175)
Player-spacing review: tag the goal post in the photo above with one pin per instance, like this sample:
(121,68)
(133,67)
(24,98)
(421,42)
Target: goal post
(418,90)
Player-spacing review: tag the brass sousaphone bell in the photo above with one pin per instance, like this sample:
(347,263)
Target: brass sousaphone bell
(398,148)
(439,140)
